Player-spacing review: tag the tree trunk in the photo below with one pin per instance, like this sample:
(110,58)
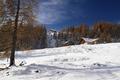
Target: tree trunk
(14,36)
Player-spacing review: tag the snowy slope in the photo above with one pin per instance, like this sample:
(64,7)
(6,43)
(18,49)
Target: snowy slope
(80,62)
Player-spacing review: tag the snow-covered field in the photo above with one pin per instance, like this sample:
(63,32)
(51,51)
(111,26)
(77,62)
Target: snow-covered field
(80,62)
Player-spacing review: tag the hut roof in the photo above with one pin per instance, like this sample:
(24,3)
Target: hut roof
(88,40)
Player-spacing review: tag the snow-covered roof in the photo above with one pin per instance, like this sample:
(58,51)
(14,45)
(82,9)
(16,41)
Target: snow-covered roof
(52,30)
(90,39)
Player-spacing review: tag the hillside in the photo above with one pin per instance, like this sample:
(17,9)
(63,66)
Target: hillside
(79,62)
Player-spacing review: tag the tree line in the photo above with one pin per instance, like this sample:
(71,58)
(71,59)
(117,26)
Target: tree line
(105,31)
(28,37)
(19,31)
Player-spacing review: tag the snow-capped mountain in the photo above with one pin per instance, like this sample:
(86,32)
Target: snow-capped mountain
(51,41)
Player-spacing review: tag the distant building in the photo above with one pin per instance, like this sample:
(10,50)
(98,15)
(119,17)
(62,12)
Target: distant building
(89,41)
(67,43)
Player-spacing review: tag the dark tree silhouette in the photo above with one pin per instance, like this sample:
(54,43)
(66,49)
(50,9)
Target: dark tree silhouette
(14,36)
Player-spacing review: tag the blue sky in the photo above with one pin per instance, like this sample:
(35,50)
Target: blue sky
(59,13)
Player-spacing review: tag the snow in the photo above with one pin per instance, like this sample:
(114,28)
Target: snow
(89,40)
(51,42)
(79,62)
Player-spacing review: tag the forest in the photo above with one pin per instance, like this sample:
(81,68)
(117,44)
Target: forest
(106,32)
(19,29)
